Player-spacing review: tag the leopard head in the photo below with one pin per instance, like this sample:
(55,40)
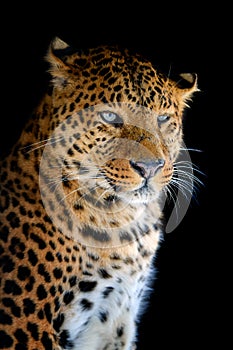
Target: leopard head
(115,123)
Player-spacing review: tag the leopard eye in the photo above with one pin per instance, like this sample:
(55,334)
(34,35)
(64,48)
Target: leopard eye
(163,118)
(111,117)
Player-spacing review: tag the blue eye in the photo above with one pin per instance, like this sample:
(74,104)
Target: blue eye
(163,118)
(111,118)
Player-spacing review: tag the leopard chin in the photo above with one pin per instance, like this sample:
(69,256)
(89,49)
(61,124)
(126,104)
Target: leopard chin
(143,195)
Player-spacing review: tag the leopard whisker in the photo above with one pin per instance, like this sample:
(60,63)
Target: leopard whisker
(190,149)
(171,193)
(40,144)
(69,177)
(184,179)
(80,188)
(184,175)
(102,195)
(181,166)
(68,195)
(182,185)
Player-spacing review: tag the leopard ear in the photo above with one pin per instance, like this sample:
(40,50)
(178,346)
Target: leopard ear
(187,85)
(56,56)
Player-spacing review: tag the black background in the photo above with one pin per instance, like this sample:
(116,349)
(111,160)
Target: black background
(184,308)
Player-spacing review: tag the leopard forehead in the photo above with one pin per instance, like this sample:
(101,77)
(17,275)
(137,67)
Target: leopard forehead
(112,74)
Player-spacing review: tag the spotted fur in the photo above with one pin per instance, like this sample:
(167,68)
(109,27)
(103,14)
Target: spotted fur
(79,281)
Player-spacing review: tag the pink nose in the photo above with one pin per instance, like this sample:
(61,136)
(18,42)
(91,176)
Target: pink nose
(147,168)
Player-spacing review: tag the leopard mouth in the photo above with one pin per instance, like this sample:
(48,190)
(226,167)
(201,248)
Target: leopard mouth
(118,187)
(143,193)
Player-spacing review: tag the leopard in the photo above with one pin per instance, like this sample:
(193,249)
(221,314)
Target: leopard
(81,218)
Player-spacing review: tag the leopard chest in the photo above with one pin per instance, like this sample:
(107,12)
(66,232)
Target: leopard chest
(103,310)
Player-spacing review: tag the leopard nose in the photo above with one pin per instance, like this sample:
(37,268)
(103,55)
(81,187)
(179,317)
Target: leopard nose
(147,168)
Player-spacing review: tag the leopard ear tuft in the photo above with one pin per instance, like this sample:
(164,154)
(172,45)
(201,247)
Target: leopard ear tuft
(55,56)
